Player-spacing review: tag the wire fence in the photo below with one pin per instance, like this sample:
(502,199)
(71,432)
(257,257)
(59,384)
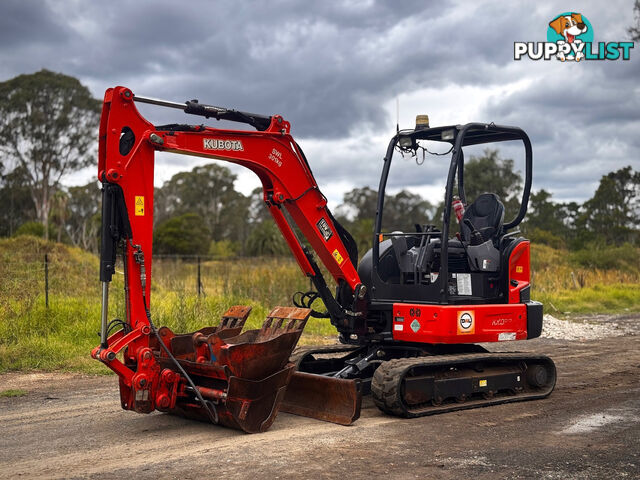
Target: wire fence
(27,276)
(51,275)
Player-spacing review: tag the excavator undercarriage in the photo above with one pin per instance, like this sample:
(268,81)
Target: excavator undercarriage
(410,315)
(417,381)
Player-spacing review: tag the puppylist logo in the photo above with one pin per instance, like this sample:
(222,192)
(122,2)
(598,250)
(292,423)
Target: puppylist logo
(570,38)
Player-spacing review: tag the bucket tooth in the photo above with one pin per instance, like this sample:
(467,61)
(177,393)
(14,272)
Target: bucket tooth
(184,346)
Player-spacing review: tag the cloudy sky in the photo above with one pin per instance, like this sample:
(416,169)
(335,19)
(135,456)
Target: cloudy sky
(338,70)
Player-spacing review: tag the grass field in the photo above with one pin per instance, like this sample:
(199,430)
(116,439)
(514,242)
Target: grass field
(33,336)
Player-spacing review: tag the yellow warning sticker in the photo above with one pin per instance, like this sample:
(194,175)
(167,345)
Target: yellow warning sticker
(466,322)
(482,383)
(519,269)
(139,206)
(338,257)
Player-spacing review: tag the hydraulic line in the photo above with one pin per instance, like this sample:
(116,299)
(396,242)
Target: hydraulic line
(208,406)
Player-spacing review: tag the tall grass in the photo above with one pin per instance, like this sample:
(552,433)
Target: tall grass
(61,336)
(587,281)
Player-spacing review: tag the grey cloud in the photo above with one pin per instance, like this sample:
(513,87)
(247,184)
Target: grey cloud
(329,67)
(29,23)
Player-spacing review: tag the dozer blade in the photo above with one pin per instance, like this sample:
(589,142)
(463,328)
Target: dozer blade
(324,398)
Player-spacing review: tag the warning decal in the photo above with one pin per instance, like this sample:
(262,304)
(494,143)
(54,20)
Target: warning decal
(338,257)
(139,205)
(325,229)
(466,322)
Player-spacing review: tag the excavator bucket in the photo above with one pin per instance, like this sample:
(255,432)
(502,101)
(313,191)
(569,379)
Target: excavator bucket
(242,376)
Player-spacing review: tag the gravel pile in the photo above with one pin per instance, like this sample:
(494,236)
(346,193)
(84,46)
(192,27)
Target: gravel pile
(579,329)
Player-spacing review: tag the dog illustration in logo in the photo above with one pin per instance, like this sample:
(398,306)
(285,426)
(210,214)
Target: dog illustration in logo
(569,26)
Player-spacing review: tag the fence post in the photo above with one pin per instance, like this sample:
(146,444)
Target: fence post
(198,284)
(46,280)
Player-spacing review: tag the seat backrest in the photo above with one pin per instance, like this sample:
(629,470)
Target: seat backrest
(486,214)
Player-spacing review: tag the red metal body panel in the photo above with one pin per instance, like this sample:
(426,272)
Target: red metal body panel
(470,323)
(519,270)
(459,323)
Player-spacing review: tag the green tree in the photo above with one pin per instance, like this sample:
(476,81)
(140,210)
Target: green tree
(48,127)
(544,214)
(16,199)
(362,232)
(258,216)
(613,213)
(185,234)
(571,213)
(258,211)
(83,216)
(404,210)
(266,239)
(209,192)
(358,204)
(634,30)
(488,173)
(58,215)
(493,174)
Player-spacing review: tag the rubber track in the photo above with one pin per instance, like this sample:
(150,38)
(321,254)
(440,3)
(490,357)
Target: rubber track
(387,382)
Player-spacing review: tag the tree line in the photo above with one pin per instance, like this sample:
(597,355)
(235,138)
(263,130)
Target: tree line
(48,129)
(199,212)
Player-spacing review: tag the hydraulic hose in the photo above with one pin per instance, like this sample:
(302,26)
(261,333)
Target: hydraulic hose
(208,406)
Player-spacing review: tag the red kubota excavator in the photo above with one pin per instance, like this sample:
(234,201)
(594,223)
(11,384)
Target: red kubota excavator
(409,317)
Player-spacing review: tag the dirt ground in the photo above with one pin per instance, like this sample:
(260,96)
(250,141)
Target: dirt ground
(71,426)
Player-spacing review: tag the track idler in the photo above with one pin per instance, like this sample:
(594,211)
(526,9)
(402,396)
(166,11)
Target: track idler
(241,376)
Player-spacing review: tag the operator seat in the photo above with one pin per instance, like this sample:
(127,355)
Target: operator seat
(486,214)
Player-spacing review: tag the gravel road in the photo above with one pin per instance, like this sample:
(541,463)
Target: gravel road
(71,426)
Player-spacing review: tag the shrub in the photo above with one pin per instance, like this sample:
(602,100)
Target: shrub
(266,239)
(544,237)
(223,249)
(623,258)
(35,229)
(186,234)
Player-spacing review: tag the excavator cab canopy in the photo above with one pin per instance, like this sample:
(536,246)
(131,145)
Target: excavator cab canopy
(459,136)
(414,252)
